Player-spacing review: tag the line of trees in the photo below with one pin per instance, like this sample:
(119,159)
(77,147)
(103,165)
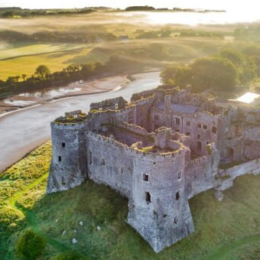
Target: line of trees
(167,32)
(12,13)
(97,34)
(224,71)
(43,78)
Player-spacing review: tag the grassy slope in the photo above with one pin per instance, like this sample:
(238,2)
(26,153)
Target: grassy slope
(26,59)
(226,230)
(23,59)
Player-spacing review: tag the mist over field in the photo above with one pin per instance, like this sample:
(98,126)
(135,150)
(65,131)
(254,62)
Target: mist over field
(58,60)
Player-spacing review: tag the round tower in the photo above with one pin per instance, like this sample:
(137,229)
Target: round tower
(69,159)
(159,208)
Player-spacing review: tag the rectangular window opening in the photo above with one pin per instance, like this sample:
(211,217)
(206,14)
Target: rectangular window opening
(146,177)
(90,157)
(148,197)
(59,158)
(214,130)
(63,144)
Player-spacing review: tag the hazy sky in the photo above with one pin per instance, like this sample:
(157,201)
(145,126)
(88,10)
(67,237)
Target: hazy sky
(205,4)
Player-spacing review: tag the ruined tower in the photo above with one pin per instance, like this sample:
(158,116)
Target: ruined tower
(158,208)
(68,167)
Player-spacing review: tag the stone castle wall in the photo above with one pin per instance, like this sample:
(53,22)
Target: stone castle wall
(165,217)
(108,163)
(227,177)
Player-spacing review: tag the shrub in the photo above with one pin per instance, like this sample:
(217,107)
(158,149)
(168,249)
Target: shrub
(30,245)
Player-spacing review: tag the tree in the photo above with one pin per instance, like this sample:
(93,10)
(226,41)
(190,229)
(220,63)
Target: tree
(234,56)
(42,72)
(245,65)
(9,14)
(30,245)
(17,78)
(109,37)
(24,77)
(140,8)
(72,69)
(216,73)
(10,80)
(88,69)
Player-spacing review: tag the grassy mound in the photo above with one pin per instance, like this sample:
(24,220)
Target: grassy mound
(93,217)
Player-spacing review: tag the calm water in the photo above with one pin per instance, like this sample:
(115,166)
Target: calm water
(193,18)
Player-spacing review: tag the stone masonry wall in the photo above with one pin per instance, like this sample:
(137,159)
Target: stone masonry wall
(227,177)
(68,167)
(200,173)
(108,163)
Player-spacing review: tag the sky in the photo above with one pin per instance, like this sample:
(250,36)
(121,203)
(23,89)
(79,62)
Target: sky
(229,5)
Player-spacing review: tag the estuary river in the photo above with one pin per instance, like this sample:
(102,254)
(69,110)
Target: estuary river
(24,130)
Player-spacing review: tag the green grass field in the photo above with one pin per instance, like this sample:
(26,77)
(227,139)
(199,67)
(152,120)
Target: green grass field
(227,230)
(24,59)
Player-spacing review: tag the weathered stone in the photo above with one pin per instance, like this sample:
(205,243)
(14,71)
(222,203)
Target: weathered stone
(74,241)
(158,151)
(219,195)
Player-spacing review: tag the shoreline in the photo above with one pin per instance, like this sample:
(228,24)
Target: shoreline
(16,109)
(126,79)
(25,129)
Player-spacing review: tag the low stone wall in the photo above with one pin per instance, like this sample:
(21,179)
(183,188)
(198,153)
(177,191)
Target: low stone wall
(133,128)
(227,177)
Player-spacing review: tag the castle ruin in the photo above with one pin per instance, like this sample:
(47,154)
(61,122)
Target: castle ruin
(159,150)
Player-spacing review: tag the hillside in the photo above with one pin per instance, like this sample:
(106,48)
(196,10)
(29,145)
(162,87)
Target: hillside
(95,215)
